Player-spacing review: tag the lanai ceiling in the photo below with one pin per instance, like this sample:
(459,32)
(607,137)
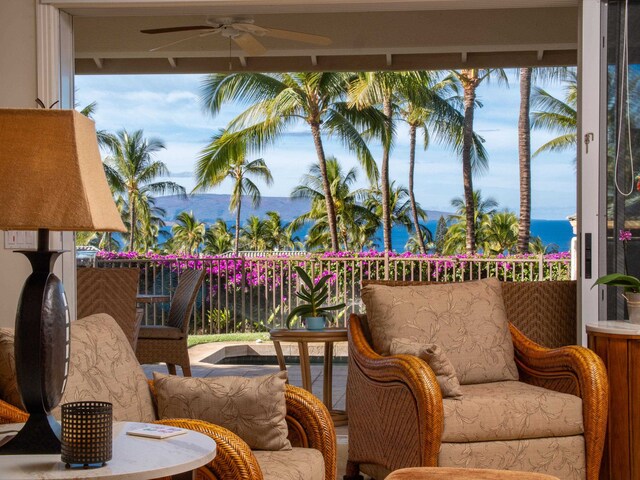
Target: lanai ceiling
(367,35)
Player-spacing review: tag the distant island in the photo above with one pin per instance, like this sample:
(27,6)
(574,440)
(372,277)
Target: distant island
(209,207)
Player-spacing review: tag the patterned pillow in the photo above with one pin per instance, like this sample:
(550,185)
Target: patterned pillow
(8,385)
(103,367)
(467,320)
(252,408)
(437,360)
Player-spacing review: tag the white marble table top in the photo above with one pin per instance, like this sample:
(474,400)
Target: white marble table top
(618,327)
(133,458)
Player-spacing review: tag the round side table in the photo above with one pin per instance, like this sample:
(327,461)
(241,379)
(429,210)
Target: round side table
(133,458)
(303,337)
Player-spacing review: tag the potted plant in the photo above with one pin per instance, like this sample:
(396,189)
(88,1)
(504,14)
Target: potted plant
(314,295)
(629,283)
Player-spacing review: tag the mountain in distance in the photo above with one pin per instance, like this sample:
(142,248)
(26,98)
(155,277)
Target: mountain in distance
(208,207)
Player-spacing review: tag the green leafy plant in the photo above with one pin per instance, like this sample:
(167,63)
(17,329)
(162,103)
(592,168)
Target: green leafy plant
(314,295)
(630,283)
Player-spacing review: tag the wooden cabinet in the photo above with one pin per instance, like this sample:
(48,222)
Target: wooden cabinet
(618,344)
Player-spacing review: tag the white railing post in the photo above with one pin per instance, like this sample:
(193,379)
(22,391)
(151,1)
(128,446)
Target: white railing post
(541,267)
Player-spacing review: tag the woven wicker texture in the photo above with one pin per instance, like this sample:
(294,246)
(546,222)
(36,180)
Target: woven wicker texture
(172,351)
(112,291)
(395,407)
(546,312)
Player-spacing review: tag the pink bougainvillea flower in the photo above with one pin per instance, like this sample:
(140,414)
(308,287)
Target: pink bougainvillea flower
(625,235)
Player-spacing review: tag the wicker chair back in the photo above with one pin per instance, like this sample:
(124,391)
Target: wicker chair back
(546,312)
(184,298)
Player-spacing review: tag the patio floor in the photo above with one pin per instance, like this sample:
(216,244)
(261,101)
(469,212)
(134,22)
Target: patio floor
(201,367)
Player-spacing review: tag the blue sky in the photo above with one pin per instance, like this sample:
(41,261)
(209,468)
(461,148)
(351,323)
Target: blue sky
(167,107)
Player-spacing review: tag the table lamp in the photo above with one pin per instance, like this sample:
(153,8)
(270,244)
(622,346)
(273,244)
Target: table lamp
(51,178)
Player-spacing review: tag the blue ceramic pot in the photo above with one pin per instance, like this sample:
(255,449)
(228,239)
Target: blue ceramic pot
(314,323)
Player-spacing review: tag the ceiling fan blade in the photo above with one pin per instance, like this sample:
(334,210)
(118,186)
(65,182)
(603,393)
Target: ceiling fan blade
(297,36)
(153,31)
(199,35)
(249,44)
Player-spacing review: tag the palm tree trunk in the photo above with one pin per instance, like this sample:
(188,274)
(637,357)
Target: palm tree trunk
(412,199)
(328,198)
(132,224)
(524,156)
(469,106)
(237,241)
(384,175)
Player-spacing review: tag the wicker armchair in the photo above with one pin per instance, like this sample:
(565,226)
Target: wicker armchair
(308,420)
(396,413)
(168,343)
(112,291)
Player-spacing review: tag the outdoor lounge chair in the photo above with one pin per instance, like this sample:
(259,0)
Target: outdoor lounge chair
(112,291)
(398,418)
(104,367)
(168,343)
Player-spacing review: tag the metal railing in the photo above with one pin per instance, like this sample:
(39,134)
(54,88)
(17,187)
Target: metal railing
(257,293)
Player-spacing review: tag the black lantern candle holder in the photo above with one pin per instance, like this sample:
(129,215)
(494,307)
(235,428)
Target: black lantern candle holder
(87,431)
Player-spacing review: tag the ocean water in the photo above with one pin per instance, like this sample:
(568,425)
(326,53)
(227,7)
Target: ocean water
(556,232)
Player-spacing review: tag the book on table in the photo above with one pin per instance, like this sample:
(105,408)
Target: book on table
(157,431)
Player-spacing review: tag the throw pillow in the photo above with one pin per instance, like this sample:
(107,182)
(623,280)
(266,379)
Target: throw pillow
(467,320)
(432,354)
(252,408)
(8,384)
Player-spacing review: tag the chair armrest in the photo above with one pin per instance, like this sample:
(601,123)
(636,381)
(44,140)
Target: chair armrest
(564,369)
(234,459)
(310,425)
(408,430)
(11,414)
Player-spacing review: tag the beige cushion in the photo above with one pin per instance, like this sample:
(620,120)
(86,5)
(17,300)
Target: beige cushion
(294,464)
(446,473)
(562,457)
(510,411)
(467,320)
(103,367)
(437,360)
(161,332)
(8,385)
(252,408)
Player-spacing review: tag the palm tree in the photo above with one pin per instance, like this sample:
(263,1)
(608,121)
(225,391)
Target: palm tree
(456,237)
(350,214)
(104,138)
(527,75)
(438,117)
(279,233)
(381,90)
(254,234)
(279,101)
(415,243)
(399,206)
(226,157)
(218,238)
(500,232)
(131,171)
(557,116)
(470,79)
(188,233)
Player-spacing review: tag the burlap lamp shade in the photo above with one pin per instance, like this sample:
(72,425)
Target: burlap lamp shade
(51,178)
(51,174)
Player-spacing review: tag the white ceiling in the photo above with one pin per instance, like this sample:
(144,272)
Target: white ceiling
(373,34)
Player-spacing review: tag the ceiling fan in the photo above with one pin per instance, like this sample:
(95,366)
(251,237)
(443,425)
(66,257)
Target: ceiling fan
(242,31)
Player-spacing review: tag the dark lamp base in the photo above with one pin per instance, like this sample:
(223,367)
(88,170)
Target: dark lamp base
(41,353)
(40,435)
